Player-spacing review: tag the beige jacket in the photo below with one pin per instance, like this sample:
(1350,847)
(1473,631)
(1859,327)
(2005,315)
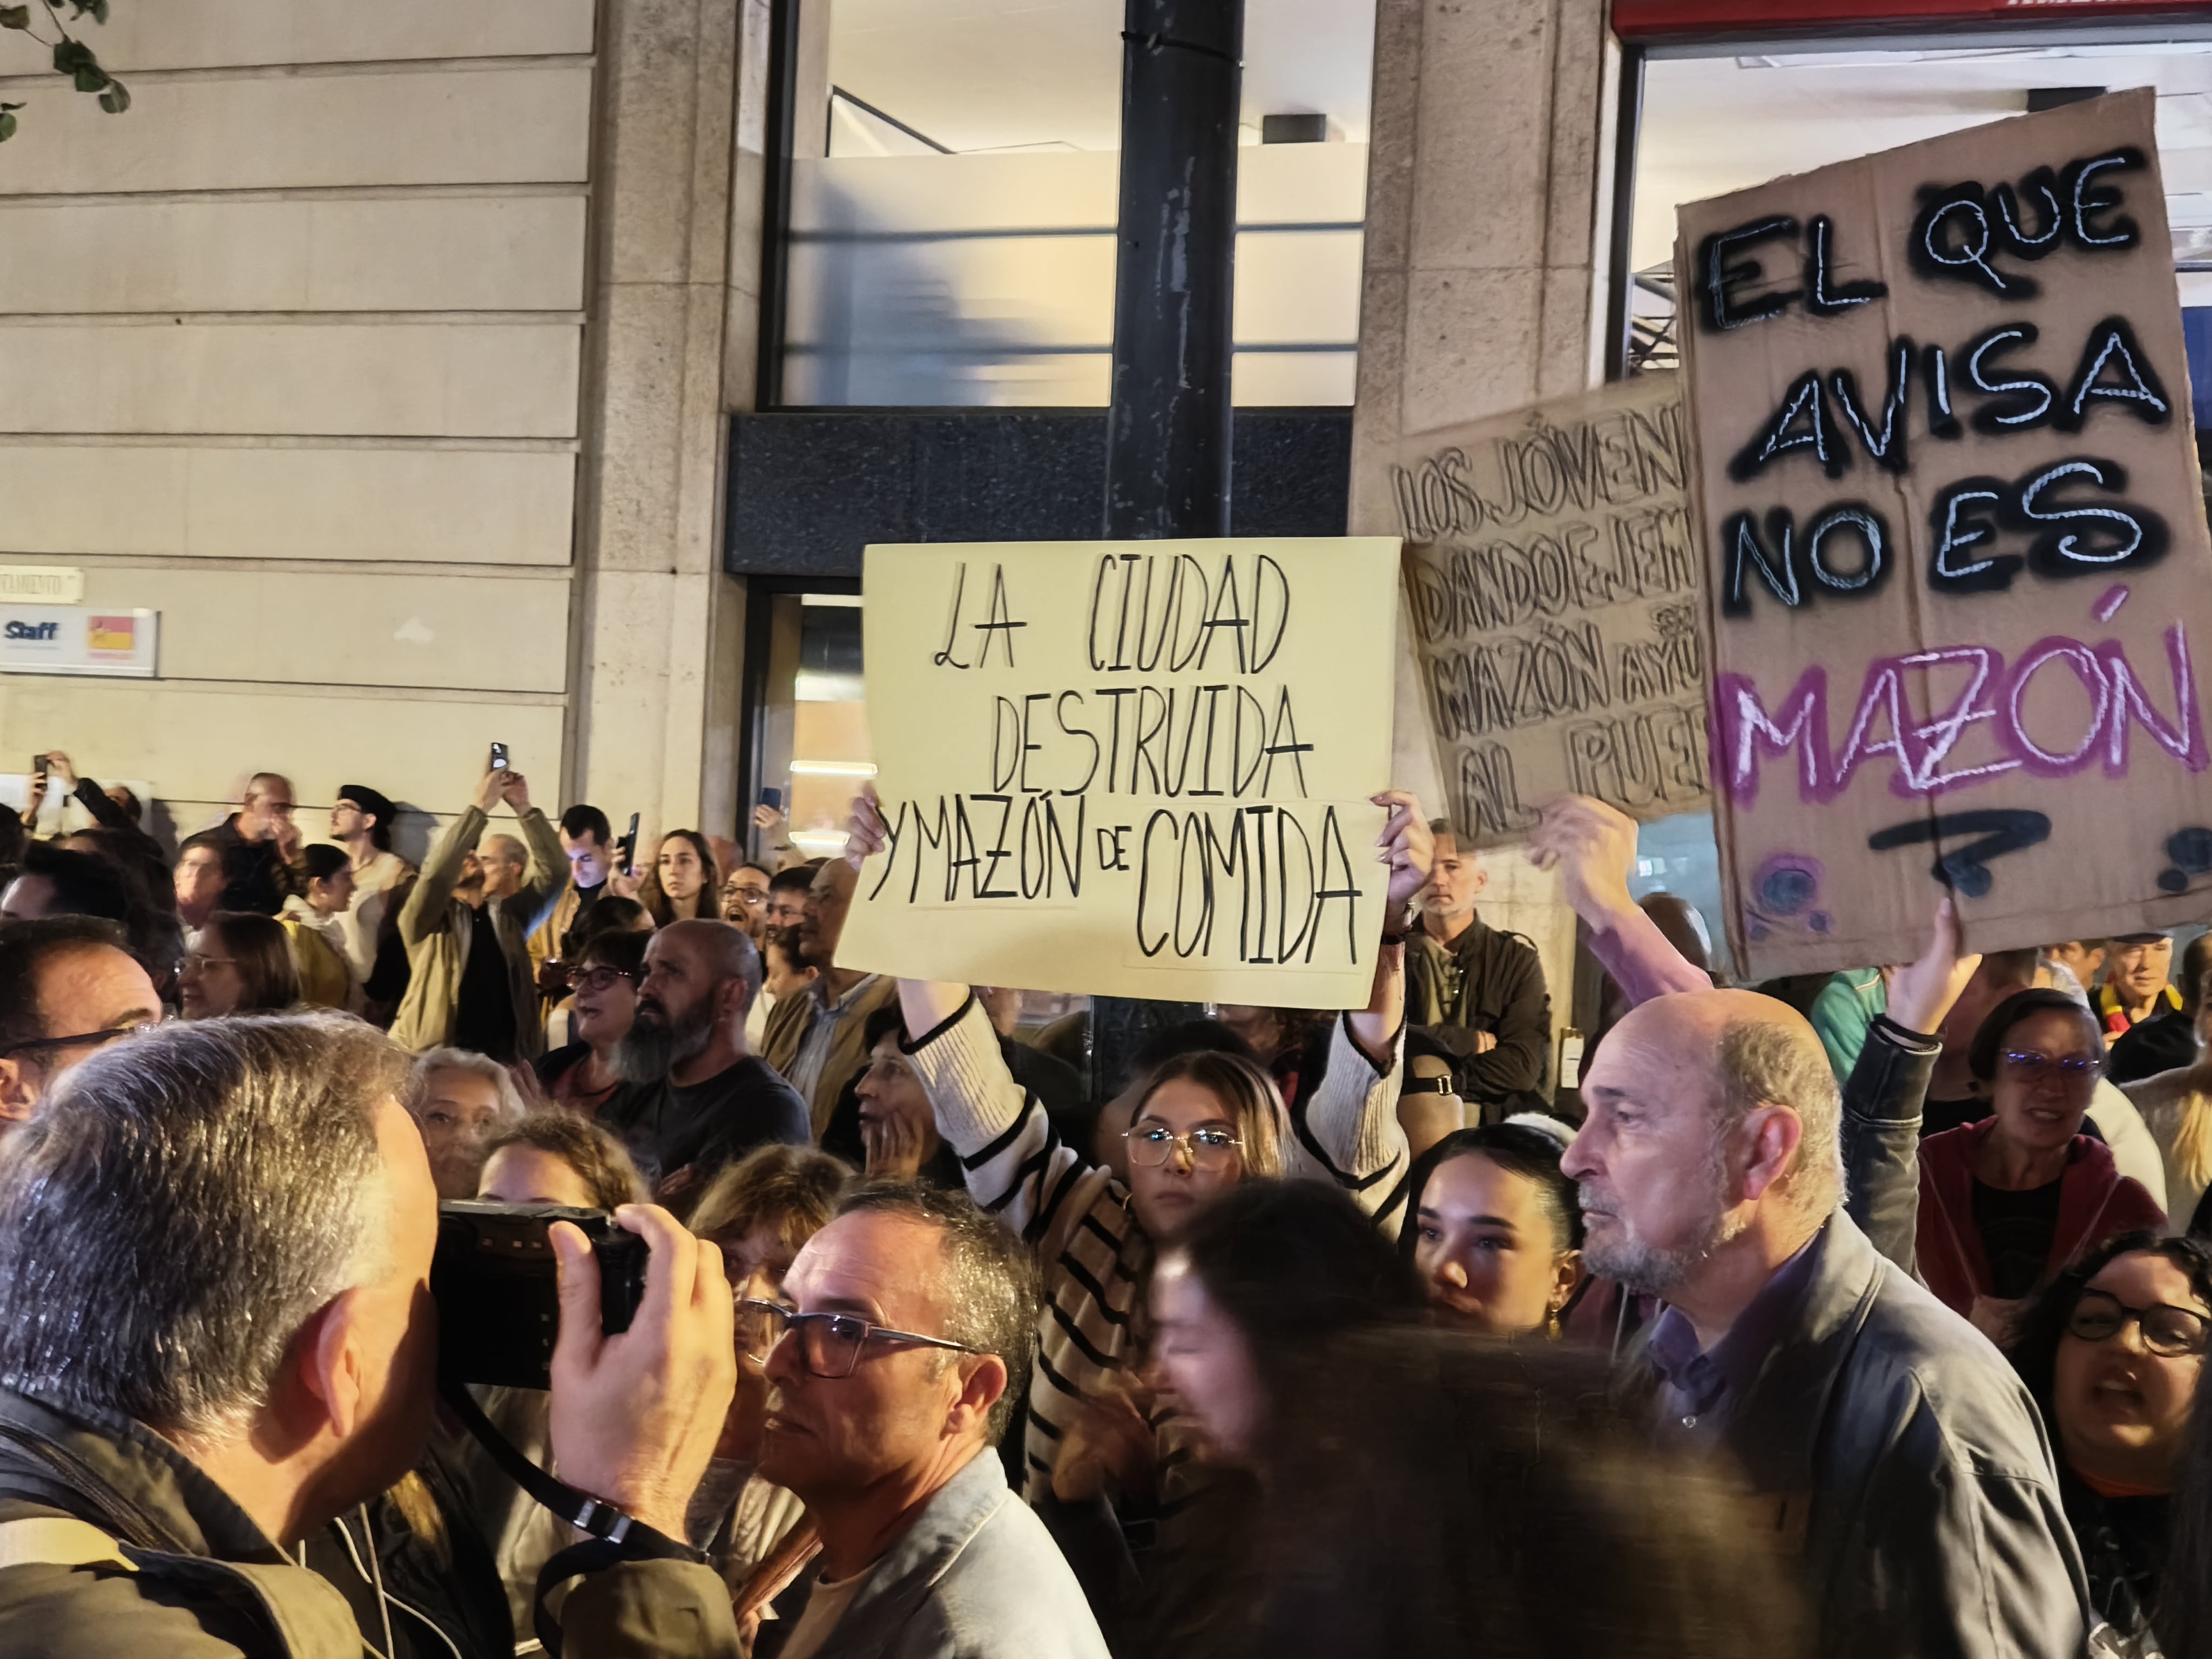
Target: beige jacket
(436,928)
(2171,1103)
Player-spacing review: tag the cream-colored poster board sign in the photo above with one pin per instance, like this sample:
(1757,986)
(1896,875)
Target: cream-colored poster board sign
(1553,581)
(1132,768)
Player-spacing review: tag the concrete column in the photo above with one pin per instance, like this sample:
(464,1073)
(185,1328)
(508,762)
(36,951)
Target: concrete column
(658,629)
(1485,264)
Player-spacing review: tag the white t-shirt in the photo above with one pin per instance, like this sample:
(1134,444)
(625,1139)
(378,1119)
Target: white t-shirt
(823,1609)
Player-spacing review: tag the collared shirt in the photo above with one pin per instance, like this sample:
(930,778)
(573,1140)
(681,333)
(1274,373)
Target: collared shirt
(814,1050)
(1699,1392)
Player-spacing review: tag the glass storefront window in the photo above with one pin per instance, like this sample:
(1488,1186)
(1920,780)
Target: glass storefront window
(953,196)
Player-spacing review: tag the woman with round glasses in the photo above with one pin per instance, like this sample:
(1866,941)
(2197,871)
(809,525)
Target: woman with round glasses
(2005,1203)
(603,984)
(2112,1351)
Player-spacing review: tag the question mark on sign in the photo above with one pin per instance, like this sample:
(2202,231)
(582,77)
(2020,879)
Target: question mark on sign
(1965,870)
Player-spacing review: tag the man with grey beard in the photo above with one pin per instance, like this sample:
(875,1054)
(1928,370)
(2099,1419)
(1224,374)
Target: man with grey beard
(694,1097)
(1890,1452)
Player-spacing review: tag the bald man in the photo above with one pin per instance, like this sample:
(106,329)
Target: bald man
(1894,1451)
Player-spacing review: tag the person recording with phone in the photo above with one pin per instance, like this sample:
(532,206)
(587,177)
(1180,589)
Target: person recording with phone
(466,927)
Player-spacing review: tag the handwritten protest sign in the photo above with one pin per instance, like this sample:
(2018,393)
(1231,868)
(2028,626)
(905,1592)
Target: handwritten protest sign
(1956,559)
(1134,768)
(1553,579)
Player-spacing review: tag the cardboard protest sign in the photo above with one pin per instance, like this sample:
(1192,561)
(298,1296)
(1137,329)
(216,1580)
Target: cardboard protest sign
(1553,579)
(1133,768)
(1956,559)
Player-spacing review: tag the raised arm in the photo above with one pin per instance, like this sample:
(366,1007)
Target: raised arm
(549,875)
(1887,1086)
(1591,846)
(1347,1129)
(1013,1164)
(424,913)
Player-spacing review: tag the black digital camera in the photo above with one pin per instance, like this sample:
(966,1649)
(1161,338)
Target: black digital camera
(497,1284)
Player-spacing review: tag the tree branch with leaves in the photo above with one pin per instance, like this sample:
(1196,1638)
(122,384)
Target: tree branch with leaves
(71,57)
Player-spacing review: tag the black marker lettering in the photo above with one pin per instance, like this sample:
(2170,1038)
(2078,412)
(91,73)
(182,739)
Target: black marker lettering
(1886,450)
(1955,521)
(1719,306)
(1872,532)
(1800,423)
(2026,401)
(944,658)
(2042,183)
(1741,545)
(1941,423)
(2084,199)
(2102,538)
(2111,348)
(1951,238)
(1821,299)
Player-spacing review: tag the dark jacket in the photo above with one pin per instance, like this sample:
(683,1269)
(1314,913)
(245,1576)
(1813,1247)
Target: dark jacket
(1499,989)
(1882,1099)
(197,1579)
(254,874)
(2095,1202)
(1897,1457)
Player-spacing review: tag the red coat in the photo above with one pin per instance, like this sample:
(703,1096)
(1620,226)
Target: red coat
(2095,1202)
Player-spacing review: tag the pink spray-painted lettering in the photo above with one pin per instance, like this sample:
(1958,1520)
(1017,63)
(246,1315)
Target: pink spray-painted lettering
(1967,687)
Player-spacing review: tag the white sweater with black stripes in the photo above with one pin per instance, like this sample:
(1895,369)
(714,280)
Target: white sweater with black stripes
(1088,1240)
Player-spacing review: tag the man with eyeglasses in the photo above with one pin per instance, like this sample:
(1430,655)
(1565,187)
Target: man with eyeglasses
(892,1363)
(68,988)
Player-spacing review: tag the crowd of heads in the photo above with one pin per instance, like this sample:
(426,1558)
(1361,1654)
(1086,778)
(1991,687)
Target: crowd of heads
(201,1190)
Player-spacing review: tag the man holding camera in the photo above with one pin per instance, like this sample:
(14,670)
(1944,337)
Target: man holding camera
(194,1388)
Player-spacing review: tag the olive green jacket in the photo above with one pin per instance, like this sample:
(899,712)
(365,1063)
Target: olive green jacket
(436,927)
(191,1577)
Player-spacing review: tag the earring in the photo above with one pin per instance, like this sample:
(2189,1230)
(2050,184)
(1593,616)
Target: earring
(1552,1329)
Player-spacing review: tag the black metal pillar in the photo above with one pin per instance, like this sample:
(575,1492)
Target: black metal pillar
(1167,431)
(1168,427)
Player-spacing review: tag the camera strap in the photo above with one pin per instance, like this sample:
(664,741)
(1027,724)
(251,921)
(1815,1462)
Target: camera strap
(614,1536)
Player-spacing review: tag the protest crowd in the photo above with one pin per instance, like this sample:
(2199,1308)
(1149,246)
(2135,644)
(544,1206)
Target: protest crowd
(1862,1319)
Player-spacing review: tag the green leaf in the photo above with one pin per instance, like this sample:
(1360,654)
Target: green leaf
(7,127)
(116,99)
(70,55)
(91,79)
(15,17)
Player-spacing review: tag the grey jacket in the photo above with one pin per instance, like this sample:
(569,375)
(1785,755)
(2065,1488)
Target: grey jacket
(195,1579)
(976,1576)
(1896,1454)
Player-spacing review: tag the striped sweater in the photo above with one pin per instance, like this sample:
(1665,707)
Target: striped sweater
(1092,1249)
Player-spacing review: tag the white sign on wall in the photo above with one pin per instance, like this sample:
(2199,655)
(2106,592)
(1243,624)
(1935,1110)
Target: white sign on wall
(41,584)
(60,639)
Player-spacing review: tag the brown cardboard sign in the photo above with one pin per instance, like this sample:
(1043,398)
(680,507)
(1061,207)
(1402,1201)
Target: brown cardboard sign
(1553,581)
(1956,564)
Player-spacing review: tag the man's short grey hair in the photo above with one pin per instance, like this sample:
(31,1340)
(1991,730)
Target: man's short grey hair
(511,1106)
(990,1289)
(1768,1062)
(507,849)
(181,1205)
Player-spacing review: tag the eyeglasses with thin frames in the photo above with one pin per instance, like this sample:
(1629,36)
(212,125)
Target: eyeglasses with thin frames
(194,959)
(2170,1332)
(2027,1064)
(83,1040)
(830,1344)
(1152,1145)
(599,977)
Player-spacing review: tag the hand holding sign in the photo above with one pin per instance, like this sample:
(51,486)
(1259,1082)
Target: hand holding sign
(1131,769)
